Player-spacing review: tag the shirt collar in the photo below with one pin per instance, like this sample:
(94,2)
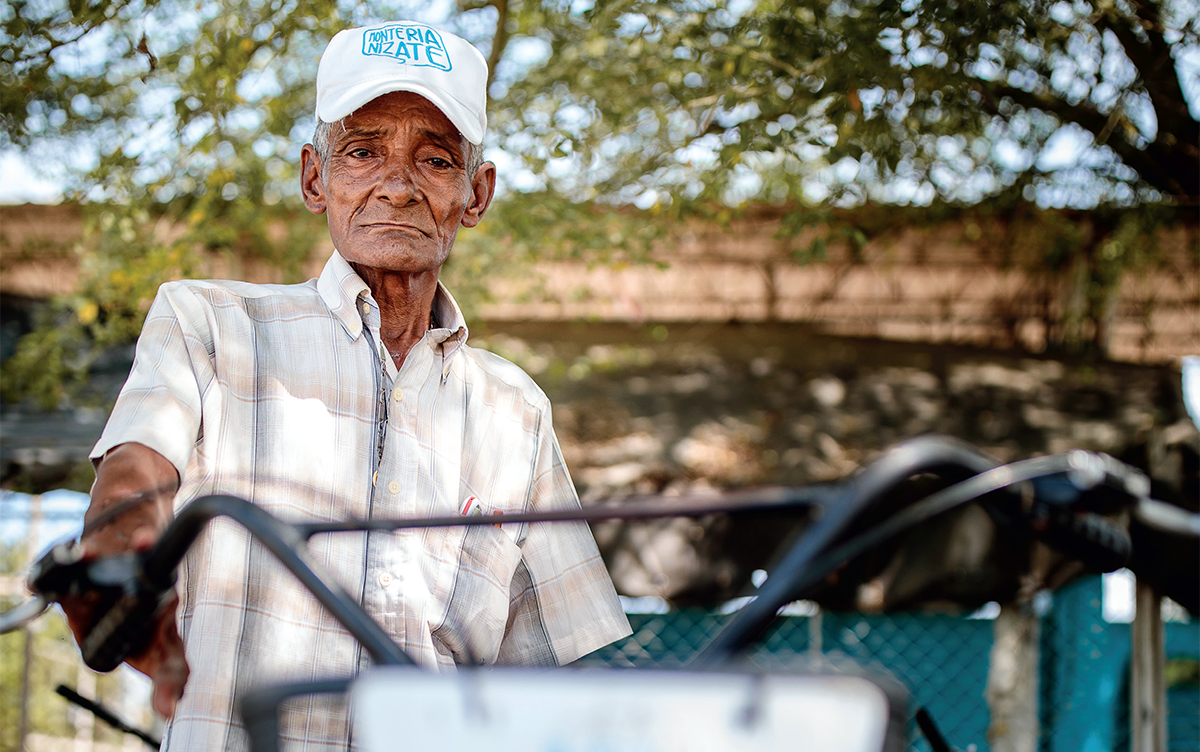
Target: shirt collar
(341,288)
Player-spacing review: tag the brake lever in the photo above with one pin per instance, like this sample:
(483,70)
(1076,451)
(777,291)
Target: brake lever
(23,614)
(61,553)
(125,602)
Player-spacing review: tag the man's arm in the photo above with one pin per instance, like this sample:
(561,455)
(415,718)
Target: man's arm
(132,502)
(562,603)
(133,493)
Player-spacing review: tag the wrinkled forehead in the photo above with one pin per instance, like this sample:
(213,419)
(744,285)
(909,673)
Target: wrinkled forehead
(404,111)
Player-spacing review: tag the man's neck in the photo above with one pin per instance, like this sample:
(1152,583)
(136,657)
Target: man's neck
(405,300)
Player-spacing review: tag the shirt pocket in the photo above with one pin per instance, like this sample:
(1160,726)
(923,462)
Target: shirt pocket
(471,599)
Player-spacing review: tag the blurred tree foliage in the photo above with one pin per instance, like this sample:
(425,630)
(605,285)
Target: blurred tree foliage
(179,123)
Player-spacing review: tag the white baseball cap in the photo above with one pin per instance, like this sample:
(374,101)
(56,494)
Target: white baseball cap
(362,64)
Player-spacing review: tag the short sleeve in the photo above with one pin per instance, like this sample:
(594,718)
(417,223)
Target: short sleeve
(160,404)
(563,604)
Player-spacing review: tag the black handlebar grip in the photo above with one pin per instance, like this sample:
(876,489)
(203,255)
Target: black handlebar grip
(122,627)
(125,603)
(1097,542)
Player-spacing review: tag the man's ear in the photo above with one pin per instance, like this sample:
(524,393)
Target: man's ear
(483,188)
(312,187)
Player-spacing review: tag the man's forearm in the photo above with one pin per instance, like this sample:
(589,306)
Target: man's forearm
(132,501)
(134,489)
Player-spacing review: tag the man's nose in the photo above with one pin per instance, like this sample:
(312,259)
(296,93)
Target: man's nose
(398,181)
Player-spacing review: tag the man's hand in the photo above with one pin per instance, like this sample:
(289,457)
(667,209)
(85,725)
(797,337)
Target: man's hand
(132,502)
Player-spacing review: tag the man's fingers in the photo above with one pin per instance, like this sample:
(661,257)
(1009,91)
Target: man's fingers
(80,607)
(171,674)
(105,543)
(131,505)
(168,686)
(165,663)
(164,700)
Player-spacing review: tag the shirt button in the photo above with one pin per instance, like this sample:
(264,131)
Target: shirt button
(398,394)
(394,486)
(385,579)
(366,309)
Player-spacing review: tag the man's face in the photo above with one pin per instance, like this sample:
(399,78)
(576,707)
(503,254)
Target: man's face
(396,186)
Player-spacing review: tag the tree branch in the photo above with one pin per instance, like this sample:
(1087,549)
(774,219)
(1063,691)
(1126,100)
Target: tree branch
(1162,164)
(1154,62)
(499,39)
(55,44)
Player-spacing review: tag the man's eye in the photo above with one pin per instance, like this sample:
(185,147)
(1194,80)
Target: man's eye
(360,153)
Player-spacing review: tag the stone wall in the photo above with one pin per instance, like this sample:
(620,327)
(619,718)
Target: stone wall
(641,408)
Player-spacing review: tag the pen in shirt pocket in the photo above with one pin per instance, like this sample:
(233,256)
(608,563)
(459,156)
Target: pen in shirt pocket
(472,507)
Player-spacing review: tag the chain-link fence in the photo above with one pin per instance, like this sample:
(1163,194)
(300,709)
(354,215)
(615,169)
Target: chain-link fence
(943,662)
(1183,721)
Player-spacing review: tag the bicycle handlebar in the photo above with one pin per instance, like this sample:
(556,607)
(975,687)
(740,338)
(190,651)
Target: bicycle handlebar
(1167,518)
(1059,483)
(859,494)
(131,588)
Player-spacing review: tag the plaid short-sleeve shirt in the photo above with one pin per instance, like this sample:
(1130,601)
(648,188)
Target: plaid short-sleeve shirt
(284,395)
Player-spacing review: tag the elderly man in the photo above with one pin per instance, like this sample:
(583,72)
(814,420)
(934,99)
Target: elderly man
(354,395)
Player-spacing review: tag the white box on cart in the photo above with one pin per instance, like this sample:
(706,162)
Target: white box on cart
(521,710)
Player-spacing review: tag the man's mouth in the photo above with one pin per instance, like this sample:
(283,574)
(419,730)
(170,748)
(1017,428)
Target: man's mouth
(394,226)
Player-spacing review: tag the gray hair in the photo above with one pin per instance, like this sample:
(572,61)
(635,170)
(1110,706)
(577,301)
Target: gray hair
(323,142)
